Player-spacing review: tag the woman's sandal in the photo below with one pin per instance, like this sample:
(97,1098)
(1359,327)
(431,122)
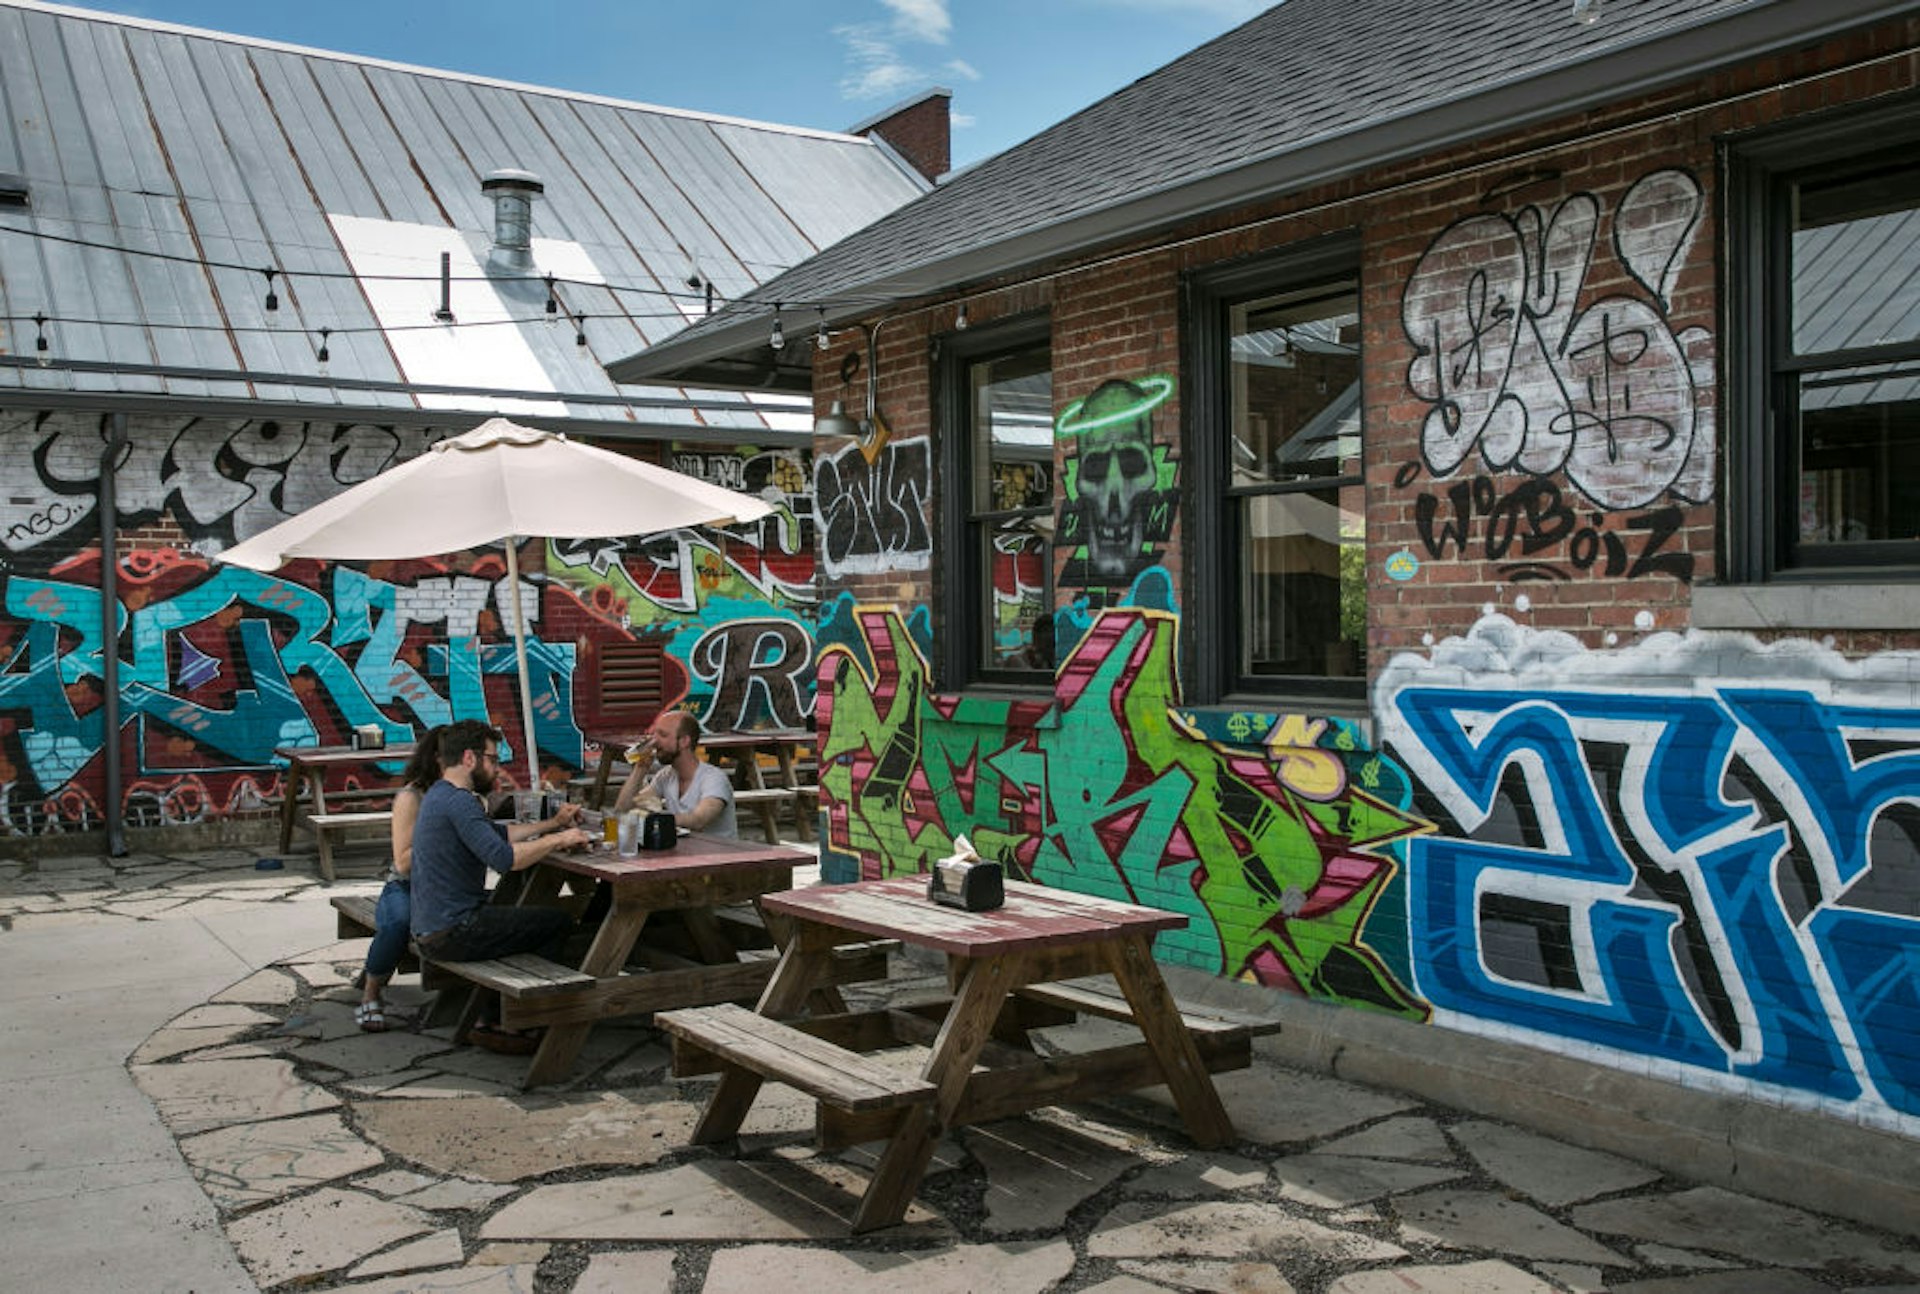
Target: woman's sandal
(371,1016)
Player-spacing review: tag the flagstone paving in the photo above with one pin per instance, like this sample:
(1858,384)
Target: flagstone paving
(398,1162)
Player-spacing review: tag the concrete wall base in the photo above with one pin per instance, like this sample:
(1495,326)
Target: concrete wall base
(1796,1157)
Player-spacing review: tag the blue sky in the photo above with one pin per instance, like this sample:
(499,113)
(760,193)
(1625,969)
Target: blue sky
(1015,66)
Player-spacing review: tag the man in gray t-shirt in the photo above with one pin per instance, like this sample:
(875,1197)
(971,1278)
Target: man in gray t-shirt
(674,780)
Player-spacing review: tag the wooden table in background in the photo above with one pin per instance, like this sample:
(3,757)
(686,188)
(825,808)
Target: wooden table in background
(1004,966)
(751,789)
(307,769)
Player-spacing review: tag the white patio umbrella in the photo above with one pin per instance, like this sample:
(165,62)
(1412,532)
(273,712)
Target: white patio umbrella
(498,482)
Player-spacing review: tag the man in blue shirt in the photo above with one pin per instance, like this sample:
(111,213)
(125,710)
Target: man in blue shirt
(455,844)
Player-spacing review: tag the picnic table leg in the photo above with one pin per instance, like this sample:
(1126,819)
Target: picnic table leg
(560,1045)
(292,780)
(793,979)
(969,1022)
(790,778)
(1159,1020)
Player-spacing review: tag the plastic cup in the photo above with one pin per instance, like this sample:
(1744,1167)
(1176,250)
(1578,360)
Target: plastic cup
(610,827)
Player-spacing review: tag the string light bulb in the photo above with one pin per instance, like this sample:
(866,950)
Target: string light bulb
(324,354)
(778,337)
(1586,12)
(40,352)
(960,320)
(820,337)
(553,304)
(580,332)
(272,303)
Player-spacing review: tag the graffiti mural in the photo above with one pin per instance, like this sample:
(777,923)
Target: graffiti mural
(1120,485)
(732,606)
(1277,836)
(220,479)
(1519,369)
(219,665)
(871,504)
(1700,851)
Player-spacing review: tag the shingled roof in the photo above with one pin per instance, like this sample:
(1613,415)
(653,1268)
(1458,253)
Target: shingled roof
(1307,92)
(165,168)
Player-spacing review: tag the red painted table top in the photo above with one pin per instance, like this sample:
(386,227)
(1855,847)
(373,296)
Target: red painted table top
(695,856)
(1034,916)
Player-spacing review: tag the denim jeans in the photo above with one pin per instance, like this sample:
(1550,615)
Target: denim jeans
(495,930)
(391,915)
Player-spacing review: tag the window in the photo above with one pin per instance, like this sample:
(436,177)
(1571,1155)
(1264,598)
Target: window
(1824,233)
(996,391)
(1278,601)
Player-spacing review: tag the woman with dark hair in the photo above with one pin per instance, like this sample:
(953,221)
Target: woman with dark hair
(394,911)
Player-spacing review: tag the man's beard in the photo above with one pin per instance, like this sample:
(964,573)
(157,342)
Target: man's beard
(483,779)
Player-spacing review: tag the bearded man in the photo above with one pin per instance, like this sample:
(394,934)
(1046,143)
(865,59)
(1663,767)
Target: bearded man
(455,844)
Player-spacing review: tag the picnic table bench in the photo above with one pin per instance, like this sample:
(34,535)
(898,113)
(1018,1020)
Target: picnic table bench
(307,768)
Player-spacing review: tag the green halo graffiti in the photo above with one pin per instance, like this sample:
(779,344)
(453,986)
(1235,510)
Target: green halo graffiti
(1157,388)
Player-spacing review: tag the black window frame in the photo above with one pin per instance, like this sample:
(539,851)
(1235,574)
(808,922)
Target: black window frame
(1213,610)
(960,662)
(1760,504)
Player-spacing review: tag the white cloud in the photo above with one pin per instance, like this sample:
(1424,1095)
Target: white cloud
(963,69)
(960,120)
(926,20)
(876,65)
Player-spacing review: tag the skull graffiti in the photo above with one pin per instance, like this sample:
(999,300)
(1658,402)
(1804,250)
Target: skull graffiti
(1116,477)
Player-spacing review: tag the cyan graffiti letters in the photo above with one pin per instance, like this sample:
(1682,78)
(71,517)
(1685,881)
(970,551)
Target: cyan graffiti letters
(1819,991)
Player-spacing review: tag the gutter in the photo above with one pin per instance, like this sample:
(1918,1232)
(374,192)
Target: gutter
(109,510)
(1558,90)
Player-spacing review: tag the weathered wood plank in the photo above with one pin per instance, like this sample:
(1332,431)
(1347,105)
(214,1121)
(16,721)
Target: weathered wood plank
(776,1051)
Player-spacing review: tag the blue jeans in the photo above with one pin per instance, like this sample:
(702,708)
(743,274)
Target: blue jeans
(391,916)
(497,930)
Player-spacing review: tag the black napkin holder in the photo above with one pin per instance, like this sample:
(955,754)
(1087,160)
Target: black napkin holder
(968,884)
(659,831)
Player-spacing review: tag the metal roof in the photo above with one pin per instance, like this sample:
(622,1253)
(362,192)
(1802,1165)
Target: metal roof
(141,137)
(1308,92)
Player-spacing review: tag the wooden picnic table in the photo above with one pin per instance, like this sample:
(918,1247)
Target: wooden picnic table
(307,769)
(1005,967)
(620,974)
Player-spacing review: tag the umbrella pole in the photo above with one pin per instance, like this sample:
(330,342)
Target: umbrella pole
(520,656)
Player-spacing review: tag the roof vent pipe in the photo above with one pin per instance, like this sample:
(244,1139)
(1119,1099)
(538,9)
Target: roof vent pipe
(513,193)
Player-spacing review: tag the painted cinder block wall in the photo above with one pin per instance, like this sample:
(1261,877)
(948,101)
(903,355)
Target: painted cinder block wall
(219,665)
(1669,810)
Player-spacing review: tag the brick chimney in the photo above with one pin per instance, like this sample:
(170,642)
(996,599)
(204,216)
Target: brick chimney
(919,129)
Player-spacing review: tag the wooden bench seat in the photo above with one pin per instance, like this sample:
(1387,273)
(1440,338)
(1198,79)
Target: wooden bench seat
(829,1073)
(354,919)
(354,914)
(768,801)
(326,826)
(1103,998)
(522,975)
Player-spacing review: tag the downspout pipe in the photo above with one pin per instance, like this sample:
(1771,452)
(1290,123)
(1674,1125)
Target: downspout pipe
(109,509)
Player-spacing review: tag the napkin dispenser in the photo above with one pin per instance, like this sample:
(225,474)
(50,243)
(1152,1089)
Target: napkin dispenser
(967,881)
(369,736)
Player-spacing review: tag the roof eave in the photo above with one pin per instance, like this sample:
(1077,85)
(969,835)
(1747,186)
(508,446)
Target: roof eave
(1618,74)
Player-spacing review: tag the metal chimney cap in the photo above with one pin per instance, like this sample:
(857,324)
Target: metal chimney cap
(509,178)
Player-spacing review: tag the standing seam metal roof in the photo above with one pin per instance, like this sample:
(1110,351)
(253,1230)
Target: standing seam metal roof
(210,147)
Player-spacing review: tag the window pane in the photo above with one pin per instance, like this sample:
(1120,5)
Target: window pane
(1020,622)
(1013,431)
(1304,588)
(1295,376)
(1860,455)
(1856,259)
